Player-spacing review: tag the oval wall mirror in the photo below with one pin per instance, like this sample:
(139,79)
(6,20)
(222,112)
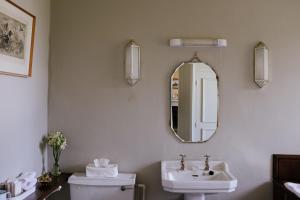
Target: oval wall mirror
(194,102)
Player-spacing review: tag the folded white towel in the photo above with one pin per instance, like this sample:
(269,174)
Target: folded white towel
(26,176)
(29,185)
(28,180)
(293,187)
(13,186)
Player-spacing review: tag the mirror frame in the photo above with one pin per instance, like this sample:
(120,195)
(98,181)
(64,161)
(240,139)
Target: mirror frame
(195,59)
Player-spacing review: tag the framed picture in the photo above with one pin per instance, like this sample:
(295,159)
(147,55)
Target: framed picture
(17,27)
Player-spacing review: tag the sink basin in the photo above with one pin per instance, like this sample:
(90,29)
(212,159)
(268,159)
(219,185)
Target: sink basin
(194,182)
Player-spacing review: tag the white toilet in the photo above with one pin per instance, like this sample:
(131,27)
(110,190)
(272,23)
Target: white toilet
(97,188)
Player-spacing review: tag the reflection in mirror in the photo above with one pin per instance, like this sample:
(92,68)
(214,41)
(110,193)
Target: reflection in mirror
(194,102)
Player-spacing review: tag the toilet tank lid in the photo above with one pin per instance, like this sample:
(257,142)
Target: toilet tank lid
(123,179)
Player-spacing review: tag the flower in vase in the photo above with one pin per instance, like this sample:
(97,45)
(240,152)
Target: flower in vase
(58,142)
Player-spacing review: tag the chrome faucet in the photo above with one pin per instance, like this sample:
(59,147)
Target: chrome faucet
(206,168)
(182,165)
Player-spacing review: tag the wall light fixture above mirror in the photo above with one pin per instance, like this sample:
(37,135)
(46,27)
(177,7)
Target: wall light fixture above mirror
(132,63)
(197,42)
(194,101)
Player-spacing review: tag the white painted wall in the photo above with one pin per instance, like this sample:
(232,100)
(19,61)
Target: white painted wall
(23,103)
(103,117)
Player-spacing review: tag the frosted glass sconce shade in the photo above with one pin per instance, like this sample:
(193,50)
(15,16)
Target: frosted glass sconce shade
(261,64)
(197,42)
(132,63)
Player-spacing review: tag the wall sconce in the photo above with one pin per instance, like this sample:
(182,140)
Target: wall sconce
(132,63)
(261,64)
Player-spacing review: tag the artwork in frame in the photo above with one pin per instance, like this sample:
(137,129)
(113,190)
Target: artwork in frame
(17,28)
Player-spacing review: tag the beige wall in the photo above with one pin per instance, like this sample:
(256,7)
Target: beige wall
(24,101)
(103,117)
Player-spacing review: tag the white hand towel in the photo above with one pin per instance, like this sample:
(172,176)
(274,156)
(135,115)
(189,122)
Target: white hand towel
(29,185)
(28,180)
(27,176)
(293,187)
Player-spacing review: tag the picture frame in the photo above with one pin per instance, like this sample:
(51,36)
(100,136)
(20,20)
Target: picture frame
(17,32)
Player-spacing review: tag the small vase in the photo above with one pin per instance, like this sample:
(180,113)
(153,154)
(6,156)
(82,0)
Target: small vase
(56,169)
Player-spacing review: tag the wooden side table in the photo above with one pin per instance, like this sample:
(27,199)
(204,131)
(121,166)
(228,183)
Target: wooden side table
(55,186)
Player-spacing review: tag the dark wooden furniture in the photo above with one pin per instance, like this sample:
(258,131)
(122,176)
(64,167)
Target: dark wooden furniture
(286,168)
(56,185)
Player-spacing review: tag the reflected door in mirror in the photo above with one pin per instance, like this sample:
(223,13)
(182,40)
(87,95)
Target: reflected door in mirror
(194,102)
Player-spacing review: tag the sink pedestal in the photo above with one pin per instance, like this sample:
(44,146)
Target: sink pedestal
(194,196)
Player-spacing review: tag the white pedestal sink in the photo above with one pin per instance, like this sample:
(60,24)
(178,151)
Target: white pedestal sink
(194,182)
